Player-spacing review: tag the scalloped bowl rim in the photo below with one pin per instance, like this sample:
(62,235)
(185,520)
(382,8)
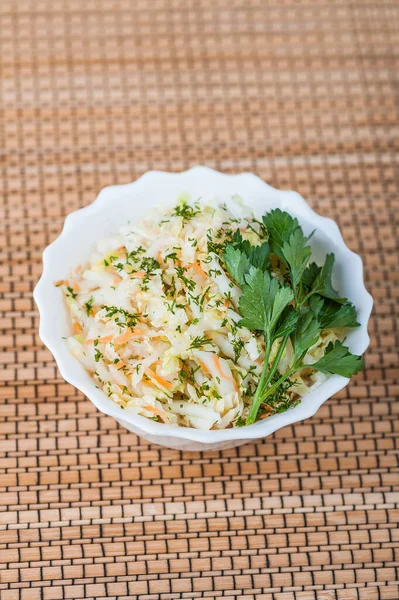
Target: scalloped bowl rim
(73,372)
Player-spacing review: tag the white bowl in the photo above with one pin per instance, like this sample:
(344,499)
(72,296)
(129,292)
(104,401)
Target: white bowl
(117,204)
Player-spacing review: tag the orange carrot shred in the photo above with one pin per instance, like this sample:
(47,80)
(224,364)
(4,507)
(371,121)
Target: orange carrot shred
(156,411)
(219,370)
(198,268)
(128,334)
(203,366)
(100,340)
(160,380)
(77,328)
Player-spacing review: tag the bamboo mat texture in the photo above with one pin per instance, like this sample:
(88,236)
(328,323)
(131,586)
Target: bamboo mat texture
(302,93)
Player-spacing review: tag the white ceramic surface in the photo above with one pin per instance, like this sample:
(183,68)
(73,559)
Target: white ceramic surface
(117,204)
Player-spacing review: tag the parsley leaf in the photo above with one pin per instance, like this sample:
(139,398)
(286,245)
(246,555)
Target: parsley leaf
(322,284)
(331,314)
(240,255)
(259,256)
(310,274)
(237,263)
(238,242)
(286,323)
(306,332)
(262,301)
(296,254)
(280,225)
(338,360)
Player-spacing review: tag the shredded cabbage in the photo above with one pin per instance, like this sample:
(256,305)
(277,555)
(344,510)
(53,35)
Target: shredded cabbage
(154,316)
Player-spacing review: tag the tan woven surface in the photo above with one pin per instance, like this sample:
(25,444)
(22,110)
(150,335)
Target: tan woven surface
(305,94)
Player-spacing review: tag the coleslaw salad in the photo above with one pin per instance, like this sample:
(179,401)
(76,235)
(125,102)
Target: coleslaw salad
(156,322)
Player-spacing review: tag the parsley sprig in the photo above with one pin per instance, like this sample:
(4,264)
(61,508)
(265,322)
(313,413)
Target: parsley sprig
(296,307)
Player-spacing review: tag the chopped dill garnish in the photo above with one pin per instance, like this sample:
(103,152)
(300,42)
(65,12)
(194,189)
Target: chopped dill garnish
(172,255)
(130,320)
(89,305)
(202,299)
(199,342)
(238,345)
(190,283)
(185,211)
(133,255)
(215,247)
(149,264)
(71,293)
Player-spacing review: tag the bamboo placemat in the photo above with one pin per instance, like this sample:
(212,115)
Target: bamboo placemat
(305,94)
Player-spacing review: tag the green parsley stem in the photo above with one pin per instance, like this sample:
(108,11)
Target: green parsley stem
(295,367)
(277,359)
(262,384)
(257,402)
(273,388)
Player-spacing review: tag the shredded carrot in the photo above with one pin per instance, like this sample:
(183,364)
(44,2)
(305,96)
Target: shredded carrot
(203,366)
(219,370)
(116,280)
(77,328)
(218,367)
(78,269)
(75,286)
(128,334)
(198,268)
(100,340)
(139,274)
(124,337)
(157,411)
(105,339)
(163,382)
(60,282)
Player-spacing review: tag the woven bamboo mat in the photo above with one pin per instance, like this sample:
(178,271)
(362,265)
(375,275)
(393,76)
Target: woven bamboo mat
(92,93)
